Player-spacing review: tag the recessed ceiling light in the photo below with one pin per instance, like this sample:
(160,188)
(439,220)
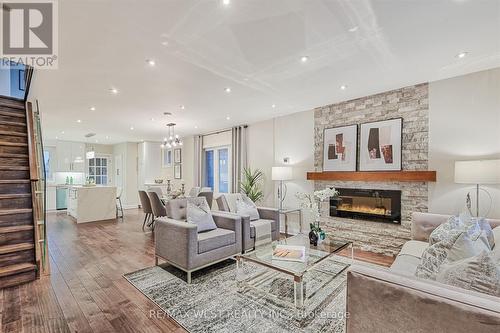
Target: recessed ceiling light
(62,132)
(164,43)
(273,106)
(182,107)
(461,55)
(152,119)
(228,118)
(195,126)
(227,90)
(79,121)
(113,91)
(107,137)
(151,62)
(131,128)
(57,138)
(226,2)
(96,141)
(354,29)
(92,108)
(343,87)
(304,58)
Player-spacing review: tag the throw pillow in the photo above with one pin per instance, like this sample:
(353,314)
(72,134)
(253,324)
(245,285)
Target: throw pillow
(468,245)
(443,231)
(435,255)
(199,214)
(496,236)
(480,273)
(486,230)
(245,206)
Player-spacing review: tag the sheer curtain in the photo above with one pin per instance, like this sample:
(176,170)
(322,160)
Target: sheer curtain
(239,155)
(198,160)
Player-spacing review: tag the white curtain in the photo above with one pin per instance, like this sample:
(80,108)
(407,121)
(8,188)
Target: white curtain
(239,155)
(198,160)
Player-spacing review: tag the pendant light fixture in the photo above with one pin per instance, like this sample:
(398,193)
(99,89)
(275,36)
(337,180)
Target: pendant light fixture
(172,139)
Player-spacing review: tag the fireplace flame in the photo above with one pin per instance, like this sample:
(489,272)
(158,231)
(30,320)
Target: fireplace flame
(364,209)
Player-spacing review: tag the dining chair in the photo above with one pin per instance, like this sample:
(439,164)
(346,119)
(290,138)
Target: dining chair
(209,196)
(157,190)
(119,206)
(146,208)
(157,207)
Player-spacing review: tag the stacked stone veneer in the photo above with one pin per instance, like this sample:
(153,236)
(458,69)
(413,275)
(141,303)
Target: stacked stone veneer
(411,104)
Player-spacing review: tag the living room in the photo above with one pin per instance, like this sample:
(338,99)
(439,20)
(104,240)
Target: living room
(248,166)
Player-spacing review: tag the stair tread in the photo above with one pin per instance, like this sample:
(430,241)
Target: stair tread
(13,144)
(15,269)
(12,123)
(16,247)
(13,133)
(14,181)
(12,114)
(15,196)
(13,155)
(15,211)
(12,103)
(13,167)
(16,228)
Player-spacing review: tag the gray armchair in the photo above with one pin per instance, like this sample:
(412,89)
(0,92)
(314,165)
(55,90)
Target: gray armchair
(179,243)
(227,203)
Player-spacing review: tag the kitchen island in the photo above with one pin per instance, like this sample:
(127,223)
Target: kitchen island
(92,203)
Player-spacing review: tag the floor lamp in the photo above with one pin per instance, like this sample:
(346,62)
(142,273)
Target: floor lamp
(281,174)
(477,173)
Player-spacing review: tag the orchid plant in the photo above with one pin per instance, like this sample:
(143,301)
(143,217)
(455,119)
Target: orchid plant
(310,201)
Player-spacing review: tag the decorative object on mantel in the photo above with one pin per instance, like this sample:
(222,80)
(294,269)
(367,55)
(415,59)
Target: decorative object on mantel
(169,187)
(281,174)
(172,139)
(375,176)
(380,147)
(311,203)
(158,181)
(478,172)
(340,148)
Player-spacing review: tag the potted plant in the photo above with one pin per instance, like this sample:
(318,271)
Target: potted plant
(251,184)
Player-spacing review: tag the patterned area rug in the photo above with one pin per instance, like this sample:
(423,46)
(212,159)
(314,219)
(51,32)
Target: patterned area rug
(212,303)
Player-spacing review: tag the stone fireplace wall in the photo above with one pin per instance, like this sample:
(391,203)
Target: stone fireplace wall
(410,103)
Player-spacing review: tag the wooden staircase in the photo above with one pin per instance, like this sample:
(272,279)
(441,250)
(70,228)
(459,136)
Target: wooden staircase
(18,241)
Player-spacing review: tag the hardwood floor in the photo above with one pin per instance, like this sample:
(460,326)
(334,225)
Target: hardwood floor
(86,291)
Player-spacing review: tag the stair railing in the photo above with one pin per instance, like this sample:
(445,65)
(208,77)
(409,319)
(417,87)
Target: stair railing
(38,182)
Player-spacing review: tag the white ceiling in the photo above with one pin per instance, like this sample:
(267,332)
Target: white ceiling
(252,46)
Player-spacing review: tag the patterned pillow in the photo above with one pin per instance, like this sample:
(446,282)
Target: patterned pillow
(245,206)
(480,273)
(444,230)
(435,255)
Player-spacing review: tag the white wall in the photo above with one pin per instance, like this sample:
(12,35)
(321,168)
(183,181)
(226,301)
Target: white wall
(269,142)
(464,124)
(128,152)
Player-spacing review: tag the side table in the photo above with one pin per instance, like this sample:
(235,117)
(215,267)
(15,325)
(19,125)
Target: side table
(285,212)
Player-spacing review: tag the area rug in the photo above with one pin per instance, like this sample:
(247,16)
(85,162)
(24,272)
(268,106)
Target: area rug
(212,303)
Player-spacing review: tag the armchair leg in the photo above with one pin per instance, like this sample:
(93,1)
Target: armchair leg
(189,277)
(156,261)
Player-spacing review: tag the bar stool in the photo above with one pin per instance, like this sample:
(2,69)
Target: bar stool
(119,191)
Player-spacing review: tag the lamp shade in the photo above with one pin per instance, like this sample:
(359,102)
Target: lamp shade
(477,172)
(281,173)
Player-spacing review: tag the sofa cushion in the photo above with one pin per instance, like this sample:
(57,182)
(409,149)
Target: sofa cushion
(405,264)
(252,228)
(214,239)
(480,273)
(198,212)
(245,206)
(414,248)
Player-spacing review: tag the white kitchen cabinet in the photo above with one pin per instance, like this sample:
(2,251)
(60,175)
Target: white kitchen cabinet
(70,156)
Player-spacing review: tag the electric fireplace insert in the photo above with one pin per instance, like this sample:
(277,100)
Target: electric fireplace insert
(367,204)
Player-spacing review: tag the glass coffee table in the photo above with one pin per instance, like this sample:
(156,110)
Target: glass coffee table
(314,258)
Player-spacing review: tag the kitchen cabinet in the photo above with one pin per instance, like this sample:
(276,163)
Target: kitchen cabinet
(70,156)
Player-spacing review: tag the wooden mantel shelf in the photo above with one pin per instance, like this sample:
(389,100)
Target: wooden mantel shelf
(375,176)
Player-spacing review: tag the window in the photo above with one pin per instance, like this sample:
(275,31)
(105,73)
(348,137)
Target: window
(218,169)
(98,170)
